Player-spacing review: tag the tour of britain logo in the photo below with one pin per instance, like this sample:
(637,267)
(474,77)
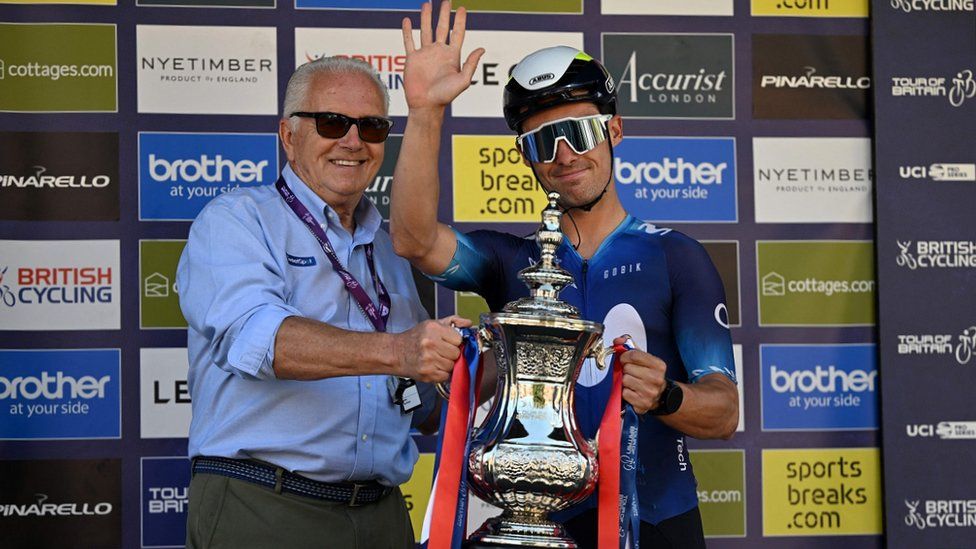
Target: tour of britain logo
(962,347)
(680,76)
(165,500)
(955,89)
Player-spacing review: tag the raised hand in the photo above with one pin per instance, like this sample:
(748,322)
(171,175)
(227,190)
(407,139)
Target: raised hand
(433,75)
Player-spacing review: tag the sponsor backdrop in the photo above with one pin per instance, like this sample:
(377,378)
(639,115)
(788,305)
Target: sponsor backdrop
(747,126)
(925,105)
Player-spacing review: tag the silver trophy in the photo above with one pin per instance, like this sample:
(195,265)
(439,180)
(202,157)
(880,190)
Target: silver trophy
(528,456)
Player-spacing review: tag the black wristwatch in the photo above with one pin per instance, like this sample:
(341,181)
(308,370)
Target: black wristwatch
(670,400)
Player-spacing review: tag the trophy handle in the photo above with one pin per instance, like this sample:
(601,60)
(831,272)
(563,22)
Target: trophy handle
(600,354)
(484,343)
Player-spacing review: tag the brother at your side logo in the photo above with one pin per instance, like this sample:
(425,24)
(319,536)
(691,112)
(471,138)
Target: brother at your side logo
(677,179)
(819,387)
(60,394)
(61,503)
(180,173)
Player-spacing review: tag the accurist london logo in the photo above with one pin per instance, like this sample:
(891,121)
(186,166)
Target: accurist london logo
(179,173)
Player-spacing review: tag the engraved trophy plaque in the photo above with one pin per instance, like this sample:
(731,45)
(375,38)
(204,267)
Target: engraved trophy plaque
(528,456)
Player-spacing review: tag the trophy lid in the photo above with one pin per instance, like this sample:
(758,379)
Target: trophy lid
(546,279)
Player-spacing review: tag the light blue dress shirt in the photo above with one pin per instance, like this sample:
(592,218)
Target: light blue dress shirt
(248,264)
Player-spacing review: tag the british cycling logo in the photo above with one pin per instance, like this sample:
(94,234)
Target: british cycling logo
(909,6)
(944,254)
(956,90)
(940,513)
(6,295)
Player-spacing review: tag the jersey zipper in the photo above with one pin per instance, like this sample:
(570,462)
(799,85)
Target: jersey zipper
(586,266)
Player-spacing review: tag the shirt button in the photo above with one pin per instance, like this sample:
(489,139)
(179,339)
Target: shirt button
(369,385)
(364,438)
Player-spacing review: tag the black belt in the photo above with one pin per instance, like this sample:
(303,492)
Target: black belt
(279,480)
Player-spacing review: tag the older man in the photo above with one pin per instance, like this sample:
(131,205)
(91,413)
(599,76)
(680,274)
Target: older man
(306,333)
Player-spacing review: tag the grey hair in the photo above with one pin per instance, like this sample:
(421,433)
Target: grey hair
(296,93)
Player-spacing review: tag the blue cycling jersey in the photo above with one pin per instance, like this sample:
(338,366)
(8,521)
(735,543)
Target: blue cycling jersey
(657,285)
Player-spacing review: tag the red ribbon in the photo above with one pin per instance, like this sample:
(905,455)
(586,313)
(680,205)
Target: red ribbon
(608,496)
(456,429)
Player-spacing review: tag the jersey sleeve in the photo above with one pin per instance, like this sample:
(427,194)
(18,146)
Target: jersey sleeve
(700,316)
(474,263)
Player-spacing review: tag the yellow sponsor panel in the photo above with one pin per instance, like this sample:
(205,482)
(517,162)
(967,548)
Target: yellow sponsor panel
(821,492)
(811,8)
(416,492)
(491,184)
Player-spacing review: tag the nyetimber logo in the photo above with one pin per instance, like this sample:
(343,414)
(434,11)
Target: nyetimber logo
(938,254)
(940,344)
(940,513)
(909,6)
(41,508)
(40,179)
(956,89)
(812,80)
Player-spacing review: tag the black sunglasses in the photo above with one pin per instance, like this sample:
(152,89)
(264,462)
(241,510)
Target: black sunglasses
(332,125)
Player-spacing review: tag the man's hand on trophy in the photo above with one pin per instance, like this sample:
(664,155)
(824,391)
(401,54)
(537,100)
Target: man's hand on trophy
(433,75)
(643,378)
(427,351)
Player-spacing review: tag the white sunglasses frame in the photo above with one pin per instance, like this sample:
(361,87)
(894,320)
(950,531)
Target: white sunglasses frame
(604,118)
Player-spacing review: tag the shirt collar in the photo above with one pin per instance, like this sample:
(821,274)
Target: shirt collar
(368,218)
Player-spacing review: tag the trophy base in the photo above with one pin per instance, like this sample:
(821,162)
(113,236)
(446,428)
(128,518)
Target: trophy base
(506,532)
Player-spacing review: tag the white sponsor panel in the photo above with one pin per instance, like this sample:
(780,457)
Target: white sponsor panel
(207,70)
(164,393)
(666,7)
(383,49)
(59,285)
(813,180)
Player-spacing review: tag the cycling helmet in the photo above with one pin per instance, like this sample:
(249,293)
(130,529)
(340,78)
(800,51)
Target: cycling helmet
(555,76)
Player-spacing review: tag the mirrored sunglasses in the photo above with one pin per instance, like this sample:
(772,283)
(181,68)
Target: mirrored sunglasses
(332,125)
(581,134)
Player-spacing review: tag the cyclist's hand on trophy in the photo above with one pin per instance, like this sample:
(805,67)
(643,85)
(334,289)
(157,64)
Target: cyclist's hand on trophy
(427,351)
(433,75)
(643,377)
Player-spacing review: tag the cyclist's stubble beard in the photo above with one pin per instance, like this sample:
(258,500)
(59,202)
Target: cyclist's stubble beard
(596,189)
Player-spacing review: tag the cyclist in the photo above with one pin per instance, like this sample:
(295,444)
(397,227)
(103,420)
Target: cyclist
(657,285)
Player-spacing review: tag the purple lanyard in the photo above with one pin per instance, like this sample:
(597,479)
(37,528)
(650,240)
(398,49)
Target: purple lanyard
(369,310)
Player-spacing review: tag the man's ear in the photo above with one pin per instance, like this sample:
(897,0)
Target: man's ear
(285,134)
(616,128)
